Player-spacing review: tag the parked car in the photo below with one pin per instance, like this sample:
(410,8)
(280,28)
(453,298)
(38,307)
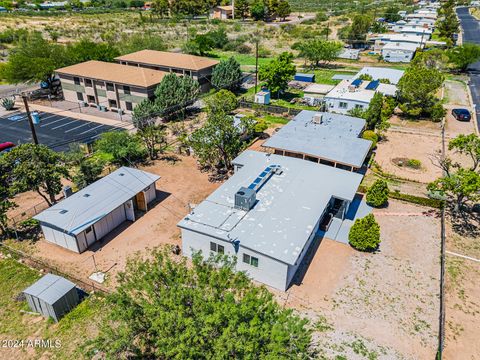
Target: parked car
(6,146)
(461,114)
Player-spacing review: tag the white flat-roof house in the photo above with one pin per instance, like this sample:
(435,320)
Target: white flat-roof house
(398,52)
(380,40)
(324,138)
(91,213)
(268,214)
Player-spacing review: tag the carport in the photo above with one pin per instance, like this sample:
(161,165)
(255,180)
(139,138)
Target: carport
(91,213)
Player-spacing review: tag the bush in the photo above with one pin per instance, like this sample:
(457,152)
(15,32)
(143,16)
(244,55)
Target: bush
(244,49)
(372,136)
(377,194)
(414,163)
(365,234)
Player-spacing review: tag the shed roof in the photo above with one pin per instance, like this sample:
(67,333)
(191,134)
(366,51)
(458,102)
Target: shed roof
(288,205)
(116,73)
(376,73)
(318,88)
(336,138)
(92,203)
(50,288)
(169,59)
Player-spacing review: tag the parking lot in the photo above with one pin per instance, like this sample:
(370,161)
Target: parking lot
(54,130)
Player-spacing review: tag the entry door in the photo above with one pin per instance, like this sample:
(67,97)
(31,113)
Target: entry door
(90,236)
(129,210)
(141,202)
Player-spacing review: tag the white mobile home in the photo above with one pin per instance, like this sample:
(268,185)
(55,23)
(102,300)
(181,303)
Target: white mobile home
(268,214)
(397,52)
(91,213)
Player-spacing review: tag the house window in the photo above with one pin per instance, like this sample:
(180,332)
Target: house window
(126,89)
(342,105)
(88,230)
(79,96)
(251,260)
(112,103)
(129,106)
(91,98)
(110,87)
(358,106)
(88,82)
(217,248)
(76,80)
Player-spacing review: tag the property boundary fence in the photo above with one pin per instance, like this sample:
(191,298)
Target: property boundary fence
(42,265)
(274,109)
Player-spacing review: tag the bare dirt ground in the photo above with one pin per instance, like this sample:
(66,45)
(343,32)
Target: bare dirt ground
(382,305)
(181,184)
(412,146)
(457,97)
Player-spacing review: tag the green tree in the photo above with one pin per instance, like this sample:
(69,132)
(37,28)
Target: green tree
(318,51)
(152,135)
(223,101)
(33,60)
(278,72)
(89,171)
(417,90)
(160,8)
(377,194)
(227,75)
(357,31)
(465,55)
(86,50)
(140,41)
(242,8)
(175,93)
(6,202)
(36,168)
(391,14)
(258,10)
(468,145)
(199,45)
(461,188)
(373,115)
(433,58)
(283,9)
(124,148)
(165,308)
(364,234)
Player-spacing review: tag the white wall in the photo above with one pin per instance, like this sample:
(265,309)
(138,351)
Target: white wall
(59,238)
(150,194)
(110,222)
(270,271)
(333,105)
(397,55)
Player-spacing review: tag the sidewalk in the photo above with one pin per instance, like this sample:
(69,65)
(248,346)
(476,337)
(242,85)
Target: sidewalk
(83,115)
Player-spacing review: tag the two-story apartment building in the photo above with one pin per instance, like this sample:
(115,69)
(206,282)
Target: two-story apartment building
(108,85)
(199,68)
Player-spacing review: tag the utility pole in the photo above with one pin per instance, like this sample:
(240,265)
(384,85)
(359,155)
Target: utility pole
(30,120)
(256,63)
(233,9)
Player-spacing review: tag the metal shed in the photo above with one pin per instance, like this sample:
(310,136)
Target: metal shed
(304,77)
(52,296)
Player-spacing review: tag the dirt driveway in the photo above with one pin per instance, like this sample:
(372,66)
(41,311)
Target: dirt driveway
(181,184)
(385,303)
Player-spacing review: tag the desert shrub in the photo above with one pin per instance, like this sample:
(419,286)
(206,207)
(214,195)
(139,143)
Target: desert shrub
(377,194)
(414,163)
(264,52)
(365,234)
(372,136)
(244,49)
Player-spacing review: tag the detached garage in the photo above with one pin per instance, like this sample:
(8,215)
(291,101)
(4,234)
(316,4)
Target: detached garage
(52,296)
(91,213)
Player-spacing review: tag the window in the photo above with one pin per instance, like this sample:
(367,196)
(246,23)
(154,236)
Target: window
(88,82)
(251,260)
(217,248)
(126,89)
(79,96)
(358,106)
(88,230)
(91,99)
(110,87)
(342,105)
(112,103)
(129,106)
(76,80)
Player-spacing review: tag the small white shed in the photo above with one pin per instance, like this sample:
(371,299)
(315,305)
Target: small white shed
(91,213)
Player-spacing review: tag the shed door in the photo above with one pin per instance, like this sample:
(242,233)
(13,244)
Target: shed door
(141,202)
(90,235)
(129,210)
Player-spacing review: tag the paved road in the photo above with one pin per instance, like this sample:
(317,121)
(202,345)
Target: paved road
(471,33)
(55,130)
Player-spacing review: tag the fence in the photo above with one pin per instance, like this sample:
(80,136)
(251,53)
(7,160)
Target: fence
(44,266)
(27,214)
(274,109)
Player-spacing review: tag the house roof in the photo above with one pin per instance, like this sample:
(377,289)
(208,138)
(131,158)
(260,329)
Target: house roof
(89,205)
(381,73)
(342,92)
(400,46)
(318,88)
(116,73)
(169,59)
(411,38)
(50,288)
(225,7)
(287,210)
(336,138)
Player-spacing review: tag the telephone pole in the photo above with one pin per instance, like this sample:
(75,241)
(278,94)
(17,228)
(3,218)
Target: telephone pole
(30,120)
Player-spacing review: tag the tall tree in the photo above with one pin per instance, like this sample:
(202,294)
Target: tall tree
(278,72)
(357,31)
(36,168)
(468,145)
(283,9)
(464,55)
(175,93)
(223,101)
(373,115)
(6,202)
(242,8)
(165,308)
(318,51)
(227,75)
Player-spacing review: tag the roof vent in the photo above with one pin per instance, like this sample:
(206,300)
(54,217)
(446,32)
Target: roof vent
(63,211)
(245,199)
(86,195)
(121,174)
(317,118)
